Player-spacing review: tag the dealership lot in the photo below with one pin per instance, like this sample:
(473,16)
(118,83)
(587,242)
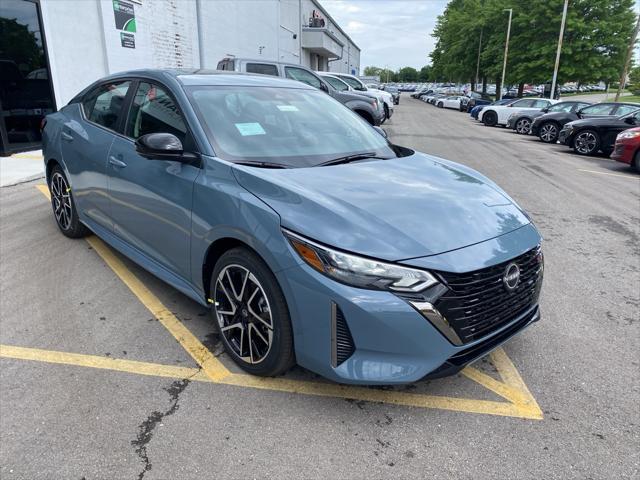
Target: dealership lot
(108,373)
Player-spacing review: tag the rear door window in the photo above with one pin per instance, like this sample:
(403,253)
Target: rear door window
(302,75)
(541,103)
(604,109)
(104,104)
(523,103)
(624,109)
(263,69)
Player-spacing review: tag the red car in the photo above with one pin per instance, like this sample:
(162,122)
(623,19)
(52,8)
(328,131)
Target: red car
(627,148)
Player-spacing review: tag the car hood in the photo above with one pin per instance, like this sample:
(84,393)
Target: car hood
(389,209)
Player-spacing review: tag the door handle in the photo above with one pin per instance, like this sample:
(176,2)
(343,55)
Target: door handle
(66,136)
(116,162)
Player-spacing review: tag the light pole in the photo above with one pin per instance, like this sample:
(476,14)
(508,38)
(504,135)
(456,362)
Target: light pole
(478,62)
(506,52)
(386,67)
(623,77)
(555,69)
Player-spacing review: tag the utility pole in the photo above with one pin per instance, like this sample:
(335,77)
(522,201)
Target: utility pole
(555,69)
(506,52)
(478,62)
(623,77)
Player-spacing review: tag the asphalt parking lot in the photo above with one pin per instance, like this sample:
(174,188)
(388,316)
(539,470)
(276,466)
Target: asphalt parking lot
(107,373)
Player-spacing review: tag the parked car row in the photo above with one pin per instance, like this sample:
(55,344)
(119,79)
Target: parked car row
(375,106)
(611,128)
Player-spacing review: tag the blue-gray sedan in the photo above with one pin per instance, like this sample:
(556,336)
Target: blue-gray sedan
(313,239)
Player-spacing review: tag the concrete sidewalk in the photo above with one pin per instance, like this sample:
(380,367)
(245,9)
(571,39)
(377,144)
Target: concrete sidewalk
(21,167)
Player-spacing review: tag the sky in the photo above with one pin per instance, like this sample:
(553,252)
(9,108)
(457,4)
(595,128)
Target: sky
(389,33)
(394,33)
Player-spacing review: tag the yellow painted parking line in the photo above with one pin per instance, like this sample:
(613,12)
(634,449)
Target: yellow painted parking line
(621,175)
(95,361)
(201,354)
(27,157)
(520,403)
(280,384)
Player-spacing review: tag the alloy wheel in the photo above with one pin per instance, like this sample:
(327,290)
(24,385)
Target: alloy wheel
(549,132)
(61,198)
(243,313)
(585,142)
(522,126)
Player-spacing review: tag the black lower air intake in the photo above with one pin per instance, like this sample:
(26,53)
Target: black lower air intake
(342,346)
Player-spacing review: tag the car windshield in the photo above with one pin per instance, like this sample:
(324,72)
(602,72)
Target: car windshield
(285,126)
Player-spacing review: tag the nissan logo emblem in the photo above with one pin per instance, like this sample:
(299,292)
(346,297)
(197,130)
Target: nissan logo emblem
(511,277)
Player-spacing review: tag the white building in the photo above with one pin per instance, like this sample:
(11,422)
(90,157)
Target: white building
(79,41)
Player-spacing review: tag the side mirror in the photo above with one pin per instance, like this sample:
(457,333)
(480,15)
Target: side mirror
(380,131)
(630,120)
(545,110)
(160,146)
(324,87)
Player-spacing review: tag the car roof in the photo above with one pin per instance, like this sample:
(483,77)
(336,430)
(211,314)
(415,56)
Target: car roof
(205,77)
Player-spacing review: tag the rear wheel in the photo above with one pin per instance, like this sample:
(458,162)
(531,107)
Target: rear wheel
(586,142)
(252,314)
(490,118)
(523,125)
(549,132)
(64,208)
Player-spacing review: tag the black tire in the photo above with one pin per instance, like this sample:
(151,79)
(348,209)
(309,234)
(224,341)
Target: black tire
(279,356)
(386,111)
(548,132)
(523,126)
(440,105)
(490,118)
(366,116)
(586,142)
(635,164)
(63,205)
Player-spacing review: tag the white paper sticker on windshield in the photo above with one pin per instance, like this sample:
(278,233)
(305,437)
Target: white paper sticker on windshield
(247,129)
(287,108)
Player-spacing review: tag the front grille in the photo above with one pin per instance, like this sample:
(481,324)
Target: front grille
(343,346)
(478,303)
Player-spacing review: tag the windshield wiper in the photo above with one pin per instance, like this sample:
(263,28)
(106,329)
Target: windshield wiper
(261,164)
(350,158)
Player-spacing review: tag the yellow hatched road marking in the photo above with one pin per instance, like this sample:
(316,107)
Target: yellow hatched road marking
(520,403)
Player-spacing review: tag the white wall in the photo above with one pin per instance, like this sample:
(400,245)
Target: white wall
(240,28)
(75,45)
(84,45)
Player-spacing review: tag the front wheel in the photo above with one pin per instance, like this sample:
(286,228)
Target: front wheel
(523,125)
(636,162)
(440,105)
(586,142)
(490,118)
(549,132)
(252,314)
(64,208)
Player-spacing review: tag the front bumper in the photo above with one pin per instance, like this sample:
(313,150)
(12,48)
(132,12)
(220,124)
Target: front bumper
(564,137)
(624,152)
(392,343)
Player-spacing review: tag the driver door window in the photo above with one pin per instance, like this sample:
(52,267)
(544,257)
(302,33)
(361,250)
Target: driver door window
(154,111)
(302,76)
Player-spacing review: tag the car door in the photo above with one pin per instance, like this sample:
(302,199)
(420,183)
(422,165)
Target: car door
(523,105)
(151,199)
(86,140)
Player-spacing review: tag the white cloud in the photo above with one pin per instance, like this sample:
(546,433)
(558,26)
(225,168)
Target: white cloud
(396,33)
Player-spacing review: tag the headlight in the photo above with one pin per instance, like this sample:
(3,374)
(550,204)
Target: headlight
(359,271)
(628,135)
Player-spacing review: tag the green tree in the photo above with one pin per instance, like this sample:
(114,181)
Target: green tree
(408,74)
(596,35)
